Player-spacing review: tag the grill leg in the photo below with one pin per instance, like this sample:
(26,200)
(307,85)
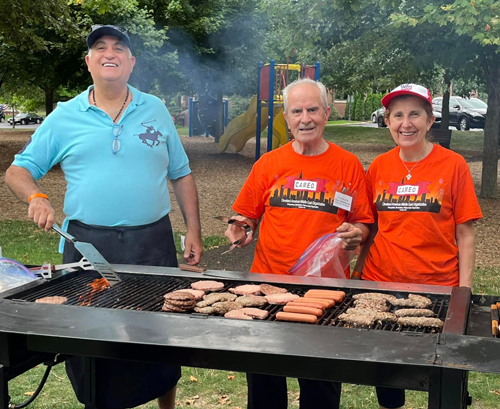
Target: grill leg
(89,383)
(448,389)
(4,389)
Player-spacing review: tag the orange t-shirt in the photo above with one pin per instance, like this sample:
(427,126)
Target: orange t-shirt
(417,218)
(294,194)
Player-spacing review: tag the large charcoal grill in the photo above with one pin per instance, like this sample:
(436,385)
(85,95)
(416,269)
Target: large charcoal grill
(125,322)
(145,293)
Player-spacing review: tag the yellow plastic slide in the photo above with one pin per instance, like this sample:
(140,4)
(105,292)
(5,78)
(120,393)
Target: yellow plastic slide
(243,127)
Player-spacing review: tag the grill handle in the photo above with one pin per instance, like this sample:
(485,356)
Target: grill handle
(66,235)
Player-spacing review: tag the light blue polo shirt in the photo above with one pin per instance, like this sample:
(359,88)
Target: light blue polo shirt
(128,188)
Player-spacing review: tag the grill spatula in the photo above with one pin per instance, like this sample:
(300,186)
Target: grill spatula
(95,258)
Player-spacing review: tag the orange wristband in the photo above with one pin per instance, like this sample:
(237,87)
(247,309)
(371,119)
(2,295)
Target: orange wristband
(41,195)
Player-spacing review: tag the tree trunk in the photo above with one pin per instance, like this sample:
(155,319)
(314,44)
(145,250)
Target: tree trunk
(445,109)
(49,100)
(489,180)
(219,125)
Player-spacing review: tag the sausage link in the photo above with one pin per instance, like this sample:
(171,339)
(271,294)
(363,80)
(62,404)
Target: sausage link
(323,301)
(303,310)
(307,304)
(291,316)
(337,296)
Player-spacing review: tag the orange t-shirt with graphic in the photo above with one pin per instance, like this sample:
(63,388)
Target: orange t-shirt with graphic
(294,195)
(417,217)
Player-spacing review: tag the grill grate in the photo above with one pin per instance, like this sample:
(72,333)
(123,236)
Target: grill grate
(145,293)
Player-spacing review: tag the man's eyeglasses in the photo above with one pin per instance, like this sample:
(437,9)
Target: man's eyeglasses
(119,28)
(117,130)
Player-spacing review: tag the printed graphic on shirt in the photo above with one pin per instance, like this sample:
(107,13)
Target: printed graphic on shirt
(408,197)
(299,193)
(151,135)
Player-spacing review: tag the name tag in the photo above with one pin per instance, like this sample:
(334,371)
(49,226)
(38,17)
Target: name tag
(301,184)
(407,190)
(342,201)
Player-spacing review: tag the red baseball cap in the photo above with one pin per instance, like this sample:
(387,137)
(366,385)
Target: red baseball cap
(408,89)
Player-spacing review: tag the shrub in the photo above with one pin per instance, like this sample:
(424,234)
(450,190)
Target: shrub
(238,105)
(334,114)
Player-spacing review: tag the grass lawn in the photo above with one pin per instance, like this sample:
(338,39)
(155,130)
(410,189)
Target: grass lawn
(204,388)
(210,389)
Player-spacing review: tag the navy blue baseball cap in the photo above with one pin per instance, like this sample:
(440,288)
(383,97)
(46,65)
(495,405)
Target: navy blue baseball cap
(101,30)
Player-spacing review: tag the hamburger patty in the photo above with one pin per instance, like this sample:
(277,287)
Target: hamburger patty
(238,314)
(268,289)
(52,300)
(281,299)
(207,285)
(198,294)
(246,289)
(251,301)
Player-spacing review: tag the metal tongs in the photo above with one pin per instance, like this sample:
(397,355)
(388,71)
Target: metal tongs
(246,226)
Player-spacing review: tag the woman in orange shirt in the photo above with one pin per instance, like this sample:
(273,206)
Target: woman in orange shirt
(423,199)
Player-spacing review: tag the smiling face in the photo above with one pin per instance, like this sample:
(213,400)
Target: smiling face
(409,121)
(109,59)
(306,116)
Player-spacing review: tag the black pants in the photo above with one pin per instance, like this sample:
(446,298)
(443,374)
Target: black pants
(390,397)
(120,383)
(270,392)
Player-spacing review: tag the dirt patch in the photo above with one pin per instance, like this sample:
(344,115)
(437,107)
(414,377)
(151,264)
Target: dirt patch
(219,177)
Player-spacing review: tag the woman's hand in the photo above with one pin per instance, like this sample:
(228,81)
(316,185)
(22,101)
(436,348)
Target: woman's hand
(351,236)
(236,233)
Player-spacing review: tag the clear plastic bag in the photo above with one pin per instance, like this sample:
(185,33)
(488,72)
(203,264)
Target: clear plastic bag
(324,258)
(13,274)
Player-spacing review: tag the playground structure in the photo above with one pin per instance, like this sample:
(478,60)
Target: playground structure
(266,108)
(203,115)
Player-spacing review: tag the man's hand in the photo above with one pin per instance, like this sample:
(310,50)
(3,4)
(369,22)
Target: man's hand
(351,236)
(194,249)
(234,232)
(41,212)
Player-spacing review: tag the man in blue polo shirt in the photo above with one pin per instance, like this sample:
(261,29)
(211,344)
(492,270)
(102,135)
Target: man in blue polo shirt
(116,146)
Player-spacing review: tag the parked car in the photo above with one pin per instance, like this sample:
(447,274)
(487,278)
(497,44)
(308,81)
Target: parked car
(379,115)
(26,118)
(465,113)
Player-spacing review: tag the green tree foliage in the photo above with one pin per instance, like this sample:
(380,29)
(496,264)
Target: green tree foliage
(21,20)
(359,110)
(476,24)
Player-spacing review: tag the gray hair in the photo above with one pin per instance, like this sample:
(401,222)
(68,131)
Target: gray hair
(317,84)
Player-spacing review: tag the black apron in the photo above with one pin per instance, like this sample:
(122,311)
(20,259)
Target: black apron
(124,384)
